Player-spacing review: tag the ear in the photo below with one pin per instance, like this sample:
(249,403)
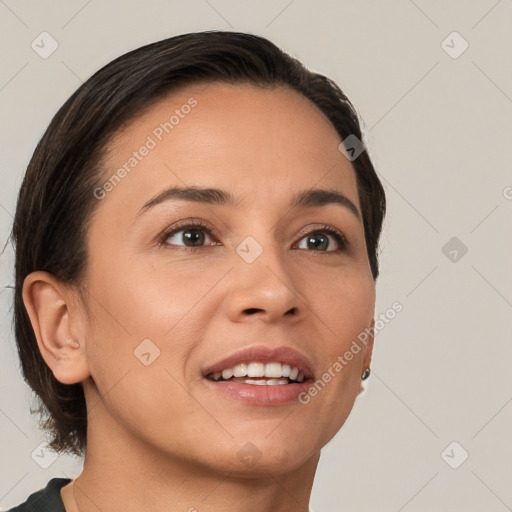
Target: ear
(368,349)
(56,320)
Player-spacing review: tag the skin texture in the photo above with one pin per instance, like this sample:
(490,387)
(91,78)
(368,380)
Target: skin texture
(158,437)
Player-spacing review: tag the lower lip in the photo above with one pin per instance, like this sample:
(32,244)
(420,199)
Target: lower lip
(260,394)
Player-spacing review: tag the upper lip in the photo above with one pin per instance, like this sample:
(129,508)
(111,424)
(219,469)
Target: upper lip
(263,354)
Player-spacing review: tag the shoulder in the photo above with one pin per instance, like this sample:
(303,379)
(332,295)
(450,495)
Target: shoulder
(47,499)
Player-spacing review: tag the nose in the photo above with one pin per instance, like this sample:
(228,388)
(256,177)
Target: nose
(265,287)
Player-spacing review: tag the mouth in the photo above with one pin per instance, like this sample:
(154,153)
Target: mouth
(260,375)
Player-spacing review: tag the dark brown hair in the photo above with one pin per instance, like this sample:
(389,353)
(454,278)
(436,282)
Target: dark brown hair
(56,198)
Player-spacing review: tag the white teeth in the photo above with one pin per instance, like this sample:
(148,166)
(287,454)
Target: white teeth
(240,370)
(276,382)
(227,373)
(272,370)
(256,370)
(293,373)
(269,382)
(256,382)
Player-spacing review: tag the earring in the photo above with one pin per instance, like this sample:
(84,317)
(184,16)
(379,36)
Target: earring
(365,374)
(73,343)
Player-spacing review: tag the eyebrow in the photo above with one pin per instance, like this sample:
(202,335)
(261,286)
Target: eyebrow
(306,198)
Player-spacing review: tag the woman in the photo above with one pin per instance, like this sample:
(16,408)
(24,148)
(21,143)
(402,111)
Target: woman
(196,255)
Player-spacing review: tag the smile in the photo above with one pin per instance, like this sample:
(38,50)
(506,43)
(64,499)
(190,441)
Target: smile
(259,374)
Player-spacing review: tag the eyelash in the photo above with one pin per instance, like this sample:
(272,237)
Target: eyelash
(340,237)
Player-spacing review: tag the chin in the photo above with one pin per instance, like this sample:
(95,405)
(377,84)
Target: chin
(261,453)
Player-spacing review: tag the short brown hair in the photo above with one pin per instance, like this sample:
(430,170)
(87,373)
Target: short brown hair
(56,201)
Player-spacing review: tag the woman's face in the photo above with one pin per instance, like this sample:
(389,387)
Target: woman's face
(260,274)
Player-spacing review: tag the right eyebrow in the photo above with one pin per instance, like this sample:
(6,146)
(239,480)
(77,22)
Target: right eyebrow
(196,194)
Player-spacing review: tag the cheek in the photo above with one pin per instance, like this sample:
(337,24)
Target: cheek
(152,314)
(345,303)
(141,335)
(148,299)
(151,404)
(346,309)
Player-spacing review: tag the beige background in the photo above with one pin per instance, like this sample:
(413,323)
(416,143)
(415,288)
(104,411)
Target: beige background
(439,130)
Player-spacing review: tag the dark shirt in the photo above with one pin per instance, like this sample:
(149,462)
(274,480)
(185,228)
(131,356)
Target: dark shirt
(44,500)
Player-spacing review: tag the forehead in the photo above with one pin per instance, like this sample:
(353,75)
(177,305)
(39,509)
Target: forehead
(264,142)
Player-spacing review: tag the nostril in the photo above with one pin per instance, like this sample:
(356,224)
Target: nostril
(253,310)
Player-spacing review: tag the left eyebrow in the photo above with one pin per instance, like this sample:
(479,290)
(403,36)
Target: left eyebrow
(323,197)
(305,199)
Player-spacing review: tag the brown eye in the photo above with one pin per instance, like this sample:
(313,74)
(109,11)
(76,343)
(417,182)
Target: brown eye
(189,236)
(319,240)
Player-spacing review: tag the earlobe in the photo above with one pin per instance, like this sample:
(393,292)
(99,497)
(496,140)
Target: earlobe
(50,308)
(367,359)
